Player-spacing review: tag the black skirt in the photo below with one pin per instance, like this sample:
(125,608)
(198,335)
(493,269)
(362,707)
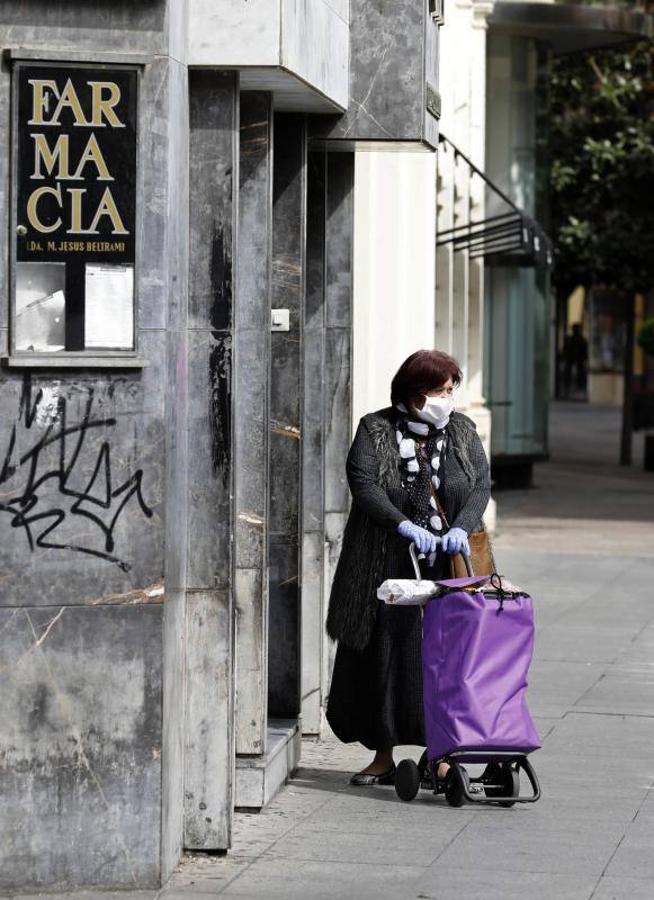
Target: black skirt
(376,693)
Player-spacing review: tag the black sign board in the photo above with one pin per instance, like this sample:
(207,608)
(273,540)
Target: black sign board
(76,165)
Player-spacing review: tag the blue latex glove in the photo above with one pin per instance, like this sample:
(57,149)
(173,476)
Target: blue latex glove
(423,539)
(455,541)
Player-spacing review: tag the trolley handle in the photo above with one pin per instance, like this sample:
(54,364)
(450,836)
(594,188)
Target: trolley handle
(416,565)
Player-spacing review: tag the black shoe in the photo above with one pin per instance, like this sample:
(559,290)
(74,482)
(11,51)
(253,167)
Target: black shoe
(363,778)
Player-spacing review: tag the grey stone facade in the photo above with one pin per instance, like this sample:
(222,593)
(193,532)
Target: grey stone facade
(168,531)
(86,492)
(393,75)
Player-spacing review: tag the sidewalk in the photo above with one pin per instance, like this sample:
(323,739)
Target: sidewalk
(582,541)
(583,502)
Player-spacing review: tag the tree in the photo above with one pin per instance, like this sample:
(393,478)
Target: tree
(601,150)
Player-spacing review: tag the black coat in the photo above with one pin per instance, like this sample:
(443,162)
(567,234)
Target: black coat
(372,550)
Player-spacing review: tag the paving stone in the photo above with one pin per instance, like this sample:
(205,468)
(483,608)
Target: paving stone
(427,813)
(515,840)
(633,856)
(589,735)
(563,641)
(208,878)
(624,689)
(554,687)
(87,895)
(623,887)
(398,848)
(322,880)
(475,881)
(641,650)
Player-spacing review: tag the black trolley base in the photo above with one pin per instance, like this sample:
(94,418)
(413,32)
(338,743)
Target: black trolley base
(499,783)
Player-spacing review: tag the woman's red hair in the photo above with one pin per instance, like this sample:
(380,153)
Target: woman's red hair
(423,371)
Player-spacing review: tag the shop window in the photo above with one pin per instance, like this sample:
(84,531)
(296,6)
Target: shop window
(74,210)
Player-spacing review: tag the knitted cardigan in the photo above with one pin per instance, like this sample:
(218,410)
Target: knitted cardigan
(373,462)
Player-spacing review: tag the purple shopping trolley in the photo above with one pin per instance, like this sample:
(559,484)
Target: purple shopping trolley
(477,645)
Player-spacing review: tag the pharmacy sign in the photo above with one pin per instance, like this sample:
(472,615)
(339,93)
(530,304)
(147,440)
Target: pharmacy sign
(76,163)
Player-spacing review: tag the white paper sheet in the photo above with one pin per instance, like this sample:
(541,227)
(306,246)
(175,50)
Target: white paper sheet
(109,304)
(40,306)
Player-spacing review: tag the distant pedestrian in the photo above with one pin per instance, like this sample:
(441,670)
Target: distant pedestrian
(575,359)
(398,455)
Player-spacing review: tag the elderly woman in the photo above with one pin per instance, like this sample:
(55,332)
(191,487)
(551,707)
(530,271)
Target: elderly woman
(417,471)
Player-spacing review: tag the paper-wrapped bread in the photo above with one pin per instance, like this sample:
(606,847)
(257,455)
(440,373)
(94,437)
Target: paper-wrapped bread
(406,591)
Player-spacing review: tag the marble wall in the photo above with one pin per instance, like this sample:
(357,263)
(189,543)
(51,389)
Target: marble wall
(251,388)
(327,410)
(158,525)
(81,744)
(307,39)
(313,447)
(84,520)
(318,362)
(393,57)
(118,26)
(288,287)
(213,178)
(175,126)
(315,43)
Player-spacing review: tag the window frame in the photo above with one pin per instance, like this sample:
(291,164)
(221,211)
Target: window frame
(91,357)
(437,11)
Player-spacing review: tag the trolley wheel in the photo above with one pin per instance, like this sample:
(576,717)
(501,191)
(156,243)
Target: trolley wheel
(493,780)
(407,780)
(511,784)
(501,780)
(454,786)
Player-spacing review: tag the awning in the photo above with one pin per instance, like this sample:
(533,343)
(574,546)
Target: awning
(570,27)
(512,238)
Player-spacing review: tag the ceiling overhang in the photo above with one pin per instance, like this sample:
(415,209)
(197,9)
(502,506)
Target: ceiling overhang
(569,28)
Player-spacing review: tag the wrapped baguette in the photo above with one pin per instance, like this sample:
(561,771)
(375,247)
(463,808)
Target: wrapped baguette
(406,591)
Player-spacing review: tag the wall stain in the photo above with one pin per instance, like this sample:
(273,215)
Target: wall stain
(220,412)
(285,430)
(220,311)
(153,593)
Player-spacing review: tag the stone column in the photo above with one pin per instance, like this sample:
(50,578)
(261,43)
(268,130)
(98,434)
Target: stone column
(339,241)
(174,637)
(288,281)
(313,455)
(327,408)
(251,386)
(209,614)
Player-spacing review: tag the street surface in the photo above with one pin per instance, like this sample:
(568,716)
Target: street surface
(582,542)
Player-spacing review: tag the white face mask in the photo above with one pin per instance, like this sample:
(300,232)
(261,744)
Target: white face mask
(436,411)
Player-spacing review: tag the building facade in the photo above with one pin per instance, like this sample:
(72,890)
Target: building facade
(524,325)
(460,284)
(204,211)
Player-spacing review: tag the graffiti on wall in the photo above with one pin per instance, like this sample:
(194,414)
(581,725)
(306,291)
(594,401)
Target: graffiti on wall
(45,481)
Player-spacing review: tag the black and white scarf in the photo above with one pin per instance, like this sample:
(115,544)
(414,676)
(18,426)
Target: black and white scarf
(420,465)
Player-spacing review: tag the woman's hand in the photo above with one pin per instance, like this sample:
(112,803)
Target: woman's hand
(423,539)
(455,541)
